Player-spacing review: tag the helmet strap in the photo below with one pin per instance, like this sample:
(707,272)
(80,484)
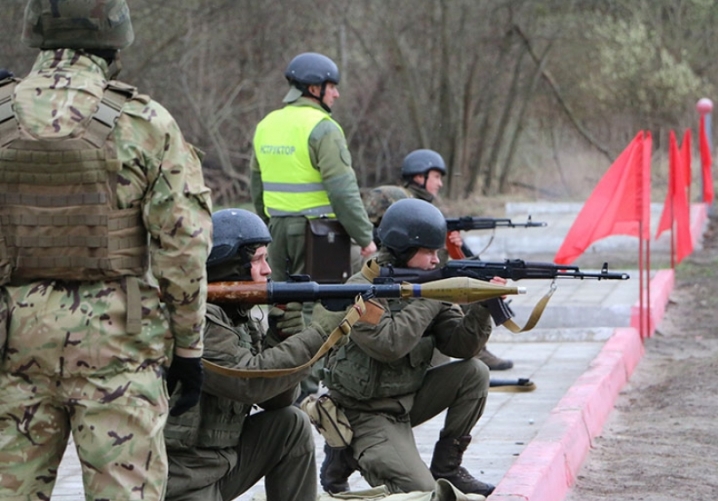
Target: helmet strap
(320,98)
(115,67)
(403,257)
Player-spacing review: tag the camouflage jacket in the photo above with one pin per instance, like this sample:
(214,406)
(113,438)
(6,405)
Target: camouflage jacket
(379,199)
(330,155)
(75,328)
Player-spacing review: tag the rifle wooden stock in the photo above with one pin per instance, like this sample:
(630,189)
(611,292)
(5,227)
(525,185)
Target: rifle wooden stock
(461,290)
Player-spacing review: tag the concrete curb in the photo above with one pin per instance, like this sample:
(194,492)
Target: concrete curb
(547,468)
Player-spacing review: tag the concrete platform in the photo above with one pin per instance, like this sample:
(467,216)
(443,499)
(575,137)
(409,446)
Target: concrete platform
(580,355)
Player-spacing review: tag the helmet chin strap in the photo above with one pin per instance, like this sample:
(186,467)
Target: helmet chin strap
(115,67)
(319,98)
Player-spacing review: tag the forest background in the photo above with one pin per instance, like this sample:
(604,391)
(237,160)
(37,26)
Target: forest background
(525,99)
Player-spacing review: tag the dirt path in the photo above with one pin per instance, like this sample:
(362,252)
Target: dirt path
(661,441)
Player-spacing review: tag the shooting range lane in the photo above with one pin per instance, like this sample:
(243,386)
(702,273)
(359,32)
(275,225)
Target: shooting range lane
(532,444)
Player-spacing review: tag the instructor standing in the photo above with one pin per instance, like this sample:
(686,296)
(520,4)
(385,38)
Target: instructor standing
(302,167)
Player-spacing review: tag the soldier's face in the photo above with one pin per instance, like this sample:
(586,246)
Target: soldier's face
(434,182)
(260,269)
(331,93)
(424,259)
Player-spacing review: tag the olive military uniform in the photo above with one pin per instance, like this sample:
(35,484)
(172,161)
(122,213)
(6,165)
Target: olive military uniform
(218,450)
(328,155)
(383,380)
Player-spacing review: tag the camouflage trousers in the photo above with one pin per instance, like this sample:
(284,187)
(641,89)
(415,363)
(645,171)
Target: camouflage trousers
(116,422)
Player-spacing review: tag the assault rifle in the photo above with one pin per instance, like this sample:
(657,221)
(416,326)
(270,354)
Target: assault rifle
(513,269)
(466,223)
(462,290)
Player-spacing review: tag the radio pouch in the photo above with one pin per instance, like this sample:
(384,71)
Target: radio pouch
(328,251)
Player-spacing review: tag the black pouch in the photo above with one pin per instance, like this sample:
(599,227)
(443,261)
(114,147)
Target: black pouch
(328,251)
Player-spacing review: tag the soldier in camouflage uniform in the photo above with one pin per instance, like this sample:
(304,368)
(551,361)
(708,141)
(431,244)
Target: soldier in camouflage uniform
(97,184)
(377,201)
(218,450)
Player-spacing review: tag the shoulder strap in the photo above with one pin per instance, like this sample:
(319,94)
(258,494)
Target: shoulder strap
(342,330)
(9,128)
(108,111)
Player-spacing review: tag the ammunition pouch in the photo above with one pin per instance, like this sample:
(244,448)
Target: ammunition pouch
(329,420)
(328,251)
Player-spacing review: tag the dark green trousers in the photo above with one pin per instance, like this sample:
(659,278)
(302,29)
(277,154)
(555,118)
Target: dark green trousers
(384,445)
(275,445)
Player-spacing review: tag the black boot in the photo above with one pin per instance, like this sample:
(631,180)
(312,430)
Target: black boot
(446,464)
(338,465)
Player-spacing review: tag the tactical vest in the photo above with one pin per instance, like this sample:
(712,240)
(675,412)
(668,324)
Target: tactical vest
(59,215)
(216,422)
(353,373)
(291,185)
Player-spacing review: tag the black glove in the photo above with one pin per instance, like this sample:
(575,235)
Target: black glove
(187,371)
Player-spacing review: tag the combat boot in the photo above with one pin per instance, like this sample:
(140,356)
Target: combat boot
(336,469)
(493,362)
(446,464)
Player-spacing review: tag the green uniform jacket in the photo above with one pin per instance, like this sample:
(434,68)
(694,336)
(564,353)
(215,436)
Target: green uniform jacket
(417,191)
(329,154)
(398,346)
(78,328)
(210,430)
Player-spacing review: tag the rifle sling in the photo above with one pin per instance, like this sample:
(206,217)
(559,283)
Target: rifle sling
(535,314)
(340,331)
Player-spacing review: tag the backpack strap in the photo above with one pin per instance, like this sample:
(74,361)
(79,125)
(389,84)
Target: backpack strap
(9,127)
(108,111)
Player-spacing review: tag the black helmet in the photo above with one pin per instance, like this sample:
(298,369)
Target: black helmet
(310,68)
(77,24)
(234,229)
(412,223)
(421,162)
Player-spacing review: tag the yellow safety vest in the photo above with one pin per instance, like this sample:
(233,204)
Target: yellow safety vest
(291,185)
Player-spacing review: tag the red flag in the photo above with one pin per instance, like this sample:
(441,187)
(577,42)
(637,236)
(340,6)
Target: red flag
(619,203)
(706,161)
(685,151)
(676,210)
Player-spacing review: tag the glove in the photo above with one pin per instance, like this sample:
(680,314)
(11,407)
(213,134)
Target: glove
(288,320)
(189,372)
(327,321)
